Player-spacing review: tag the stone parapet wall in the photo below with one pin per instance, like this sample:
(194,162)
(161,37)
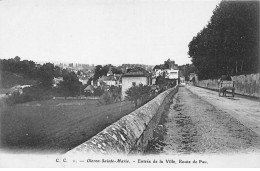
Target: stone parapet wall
(131,133)
(244,84)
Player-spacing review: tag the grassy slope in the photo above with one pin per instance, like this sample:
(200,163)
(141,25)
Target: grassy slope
(9,80)
(58,128)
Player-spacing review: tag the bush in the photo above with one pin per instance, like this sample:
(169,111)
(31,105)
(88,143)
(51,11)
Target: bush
(108,98)
(31,94)
(98,91)
(17,98)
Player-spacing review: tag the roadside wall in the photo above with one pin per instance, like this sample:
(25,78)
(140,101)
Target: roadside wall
(244,84)
(131,133)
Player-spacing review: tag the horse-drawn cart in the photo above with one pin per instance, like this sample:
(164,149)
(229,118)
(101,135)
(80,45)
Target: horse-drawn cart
(226,85)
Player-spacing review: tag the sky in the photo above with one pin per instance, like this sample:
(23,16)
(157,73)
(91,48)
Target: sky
(101,31)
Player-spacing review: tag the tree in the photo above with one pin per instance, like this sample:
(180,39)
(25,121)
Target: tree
(98,72)
(89,81)
(46,74)
(98,91)
(187,69)
(167,64)
(116,92)
(229,43)
(70,85)
(162,67)
(103,70)
(57,71)
(116,70)
(107,97)
(17,59)
(139,93)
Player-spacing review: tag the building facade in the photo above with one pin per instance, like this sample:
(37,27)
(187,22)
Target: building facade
(135,77)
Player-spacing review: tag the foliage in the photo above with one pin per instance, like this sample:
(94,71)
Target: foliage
(166,65)
(89,81)
(14,98)
(187,69)
(160,80)
(44,73)
(15,65)
(71,86)
(107,97)
(141,93)
(164,83)
(112,95)
(98,72)
(116,92)
(9,80)
(98,91)
(103,70)
(33,93)
(229,43)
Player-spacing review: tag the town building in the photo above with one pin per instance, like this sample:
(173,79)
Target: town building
(107,80)
(134,77)
(89,89)
(172,73)
(83,80)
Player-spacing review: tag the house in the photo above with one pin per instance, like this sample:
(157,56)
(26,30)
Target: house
(83,80)
(118,78)
(56,81)
(134,77)
(172,73)
(89,88)
(108,80)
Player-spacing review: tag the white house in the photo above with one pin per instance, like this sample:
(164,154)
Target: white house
(83,80)
(172,74)
(134,77)
(56,81)
(108,80)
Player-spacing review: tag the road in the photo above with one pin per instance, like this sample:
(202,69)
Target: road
(201,122)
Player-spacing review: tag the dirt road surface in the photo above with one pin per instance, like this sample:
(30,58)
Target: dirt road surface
(201,122)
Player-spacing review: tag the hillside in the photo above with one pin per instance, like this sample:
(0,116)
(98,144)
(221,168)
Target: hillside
(8,80)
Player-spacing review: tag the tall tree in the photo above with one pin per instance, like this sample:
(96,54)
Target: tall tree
(70,85)
(230,41)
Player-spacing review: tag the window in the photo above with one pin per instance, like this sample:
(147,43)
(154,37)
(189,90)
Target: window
(133,83)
